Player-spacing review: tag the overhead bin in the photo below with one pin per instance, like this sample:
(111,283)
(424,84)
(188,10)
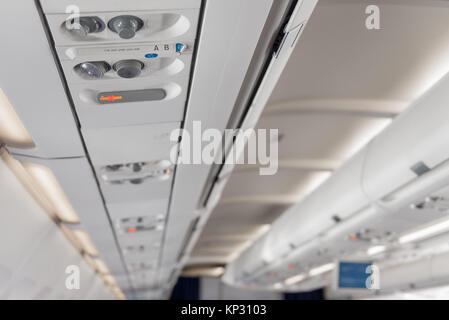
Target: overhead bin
(36,262)
(249,263)
(337,199)
(349,239)
(76,178)
(396,197)
(34,225)
(414,144)
(39,101)
(47,266)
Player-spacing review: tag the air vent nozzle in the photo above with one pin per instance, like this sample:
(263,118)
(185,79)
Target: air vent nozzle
(82,26)
(126,26)
(92,69)
(128,68)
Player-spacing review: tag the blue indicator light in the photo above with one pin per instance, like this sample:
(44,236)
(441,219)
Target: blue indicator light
(151,55)
(179,47)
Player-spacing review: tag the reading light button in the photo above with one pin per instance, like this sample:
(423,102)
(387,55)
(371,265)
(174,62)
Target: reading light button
(131,96)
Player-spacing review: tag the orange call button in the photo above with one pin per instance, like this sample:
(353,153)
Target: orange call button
(110,98)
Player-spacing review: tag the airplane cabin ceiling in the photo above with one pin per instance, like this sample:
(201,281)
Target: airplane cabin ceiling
(342,85)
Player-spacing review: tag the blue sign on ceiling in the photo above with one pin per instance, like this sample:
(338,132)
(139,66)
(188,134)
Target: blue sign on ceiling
(354,274)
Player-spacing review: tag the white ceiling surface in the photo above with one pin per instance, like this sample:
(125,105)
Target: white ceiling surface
(342,85)
(433,293)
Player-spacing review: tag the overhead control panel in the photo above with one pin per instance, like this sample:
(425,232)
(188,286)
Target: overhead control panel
(127,67)
(138,61)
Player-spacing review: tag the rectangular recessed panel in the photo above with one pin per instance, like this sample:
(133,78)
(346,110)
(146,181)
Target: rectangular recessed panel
(131,96)
(146,191)
(157,24)
(154,208)
(117,145)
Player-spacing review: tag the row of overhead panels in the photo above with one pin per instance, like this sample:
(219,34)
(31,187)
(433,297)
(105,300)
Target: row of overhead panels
(33,266)
(34,89)
(390,195)
(53,168)
(127,68)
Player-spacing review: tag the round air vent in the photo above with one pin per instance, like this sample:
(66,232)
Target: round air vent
(125,26)
(84,26)
(92,69)
(128,68)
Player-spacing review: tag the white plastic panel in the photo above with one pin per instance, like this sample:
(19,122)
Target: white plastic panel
(78,182)
(167,63)
(155,44)
(152,208)
(219,53)
(312,216)
(116,130)
(169,72)
(142,263)
(158,25)
(143,280)
(375,224)
(147,190)
(58,6)
(118,145)
(306,134)
(141,251)
(39,100)
(417,272)
(419,134)
(94,114)
(19,210)
(48,264)
(33,265)
(151,238)
(123,282)
(271,75)
(247,263)
(136,253)
(99,292)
